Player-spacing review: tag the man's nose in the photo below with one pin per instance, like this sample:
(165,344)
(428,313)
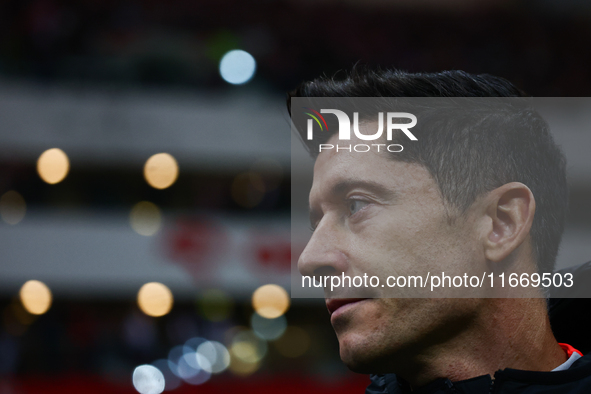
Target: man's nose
(325,253)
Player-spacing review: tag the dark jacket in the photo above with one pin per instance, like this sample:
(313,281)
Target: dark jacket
(575,380)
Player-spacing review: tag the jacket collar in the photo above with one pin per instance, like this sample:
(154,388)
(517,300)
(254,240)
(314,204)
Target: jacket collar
(503,381)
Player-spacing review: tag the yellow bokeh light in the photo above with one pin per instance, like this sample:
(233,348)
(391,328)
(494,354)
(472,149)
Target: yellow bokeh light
(248,347)
(270,301)
(241,368)
(36,297)
(155,299)
(145,218)
(161,170)
(53,166)
(293,343)
(12,207)
(246,351)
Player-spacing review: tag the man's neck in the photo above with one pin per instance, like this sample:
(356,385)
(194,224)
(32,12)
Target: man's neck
(509,333)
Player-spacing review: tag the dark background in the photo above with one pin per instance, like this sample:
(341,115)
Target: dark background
(174,48)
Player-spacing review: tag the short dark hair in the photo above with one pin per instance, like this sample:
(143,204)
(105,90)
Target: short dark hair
(464,157)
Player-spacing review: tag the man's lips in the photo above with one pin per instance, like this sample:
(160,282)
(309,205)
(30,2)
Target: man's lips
(335,303)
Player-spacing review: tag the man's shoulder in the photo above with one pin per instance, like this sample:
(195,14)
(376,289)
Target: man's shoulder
(575,380)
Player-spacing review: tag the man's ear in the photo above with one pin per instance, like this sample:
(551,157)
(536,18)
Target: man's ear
(510,209)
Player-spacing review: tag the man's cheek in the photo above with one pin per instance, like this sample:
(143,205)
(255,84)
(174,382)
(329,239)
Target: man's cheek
(377,241)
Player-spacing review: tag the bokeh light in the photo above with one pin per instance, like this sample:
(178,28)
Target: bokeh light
(241,368)
(217,355)
(174,356)
(12,207)
(246,351)
(268,329)
(155,299)
(53,165)
(192,344)
(148,379)
(248,189)
(237,67)
(197,360)
(189,365)
(35,297)
(161,170)
(171,381)
(216,305)
(248,347)
(145,218)
(193,368)
(270,301)
(293,343)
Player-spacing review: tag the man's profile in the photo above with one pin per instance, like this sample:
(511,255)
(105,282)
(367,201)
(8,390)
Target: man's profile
(463,197)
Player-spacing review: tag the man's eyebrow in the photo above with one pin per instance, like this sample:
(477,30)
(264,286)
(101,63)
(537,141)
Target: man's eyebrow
(341,188)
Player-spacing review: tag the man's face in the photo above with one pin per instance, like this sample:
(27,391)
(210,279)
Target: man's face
(383,217)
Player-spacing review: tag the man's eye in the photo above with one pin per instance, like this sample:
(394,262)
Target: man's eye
(356,205)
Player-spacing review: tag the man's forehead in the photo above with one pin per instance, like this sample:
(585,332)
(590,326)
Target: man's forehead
(335,170)
(340,166)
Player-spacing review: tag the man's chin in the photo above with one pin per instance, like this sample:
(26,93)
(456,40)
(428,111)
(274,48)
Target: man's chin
(361,364)
(361,358)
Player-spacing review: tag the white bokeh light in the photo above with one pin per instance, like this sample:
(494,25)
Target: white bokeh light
(217,355)
(237,67)
(148,379)
(188,365)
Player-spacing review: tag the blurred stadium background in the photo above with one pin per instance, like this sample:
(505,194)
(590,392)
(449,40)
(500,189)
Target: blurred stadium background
(145,176)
